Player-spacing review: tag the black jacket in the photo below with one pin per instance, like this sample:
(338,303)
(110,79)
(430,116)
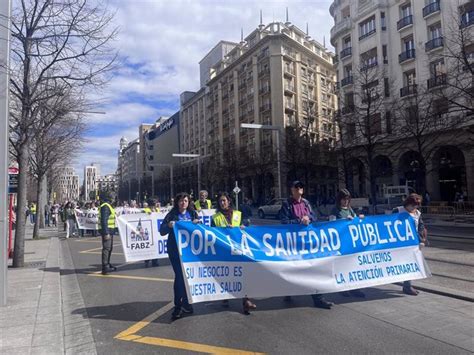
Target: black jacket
(287,214)
(172,215)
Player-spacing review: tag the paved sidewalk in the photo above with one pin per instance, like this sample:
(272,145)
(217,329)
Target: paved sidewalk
(38,316)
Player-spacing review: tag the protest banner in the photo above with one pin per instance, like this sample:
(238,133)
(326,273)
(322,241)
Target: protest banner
(140,234)
(286,260)
(87,219)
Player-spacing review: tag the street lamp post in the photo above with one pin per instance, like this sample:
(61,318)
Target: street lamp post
(198,156)
(270,128)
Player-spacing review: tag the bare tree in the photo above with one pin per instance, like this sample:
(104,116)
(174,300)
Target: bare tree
(458,57)
(59,142)
(362,110)
(56,46)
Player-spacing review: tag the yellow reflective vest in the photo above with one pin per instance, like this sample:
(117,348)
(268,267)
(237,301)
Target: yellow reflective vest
(220,220)
(33,208)
(111,219)
(197,204)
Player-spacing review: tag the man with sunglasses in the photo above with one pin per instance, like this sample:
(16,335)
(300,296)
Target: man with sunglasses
(297,210)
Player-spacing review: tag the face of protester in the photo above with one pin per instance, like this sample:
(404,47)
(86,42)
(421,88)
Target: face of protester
(202,196)
(412,207)
(224,203)
(183,204)
(345,202)
(297,192)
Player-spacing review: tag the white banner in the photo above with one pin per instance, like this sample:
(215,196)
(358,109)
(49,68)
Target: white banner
(140,234)
(286,260)
(87,219)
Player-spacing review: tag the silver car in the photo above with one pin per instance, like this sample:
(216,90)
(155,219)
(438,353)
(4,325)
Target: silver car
(271,209)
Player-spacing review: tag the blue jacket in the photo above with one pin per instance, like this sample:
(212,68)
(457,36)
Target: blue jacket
(287,214)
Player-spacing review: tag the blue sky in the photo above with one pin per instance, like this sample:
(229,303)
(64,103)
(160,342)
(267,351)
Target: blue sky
(160,44)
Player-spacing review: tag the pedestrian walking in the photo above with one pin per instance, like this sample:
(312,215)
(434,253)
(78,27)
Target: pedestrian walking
(107,229)
(410,206)
(203,203)
(226,216)
(182,210)
(297,210)
(343,210)
(47,214)
(33,213)
(70,220)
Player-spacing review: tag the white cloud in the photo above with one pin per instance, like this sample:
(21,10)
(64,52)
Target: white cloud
(161,43)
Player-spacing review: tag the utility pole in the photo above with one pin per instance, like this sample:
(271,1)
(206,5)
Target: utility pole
(5,18)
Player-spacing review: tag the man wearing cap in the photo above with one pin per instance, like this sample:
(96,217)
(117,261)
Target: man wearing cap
(297,210)
(107,228)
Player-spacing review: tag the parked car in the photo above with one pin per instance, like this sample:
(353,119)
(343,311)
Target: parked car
(272,208)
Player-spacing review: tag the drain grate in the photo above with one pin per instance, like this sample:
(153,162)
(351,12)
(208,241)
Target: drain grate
(35,264)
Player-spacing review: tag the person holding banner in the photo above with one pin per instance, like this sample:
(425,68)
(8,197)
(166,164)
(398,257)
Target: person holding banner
(410,206)
(203,203)
(225,216)
(182,210)
(297,210)
(343,210)
(107,228)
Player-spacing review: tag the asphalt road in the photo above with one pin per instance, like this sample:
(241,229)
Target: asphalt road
(127,297)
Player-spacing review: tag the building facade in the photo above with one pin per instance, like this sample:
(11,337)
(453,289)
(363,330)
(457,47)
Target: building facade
(395,59)
(277,77)
(91,174)
(67,186)
(107,182)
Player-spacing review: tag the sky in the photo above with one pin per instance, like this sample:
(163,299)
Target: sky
(160,44)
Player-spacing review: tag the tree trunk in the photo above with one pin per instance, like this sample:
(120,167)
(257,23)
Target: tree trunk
(19,247)
(39,206)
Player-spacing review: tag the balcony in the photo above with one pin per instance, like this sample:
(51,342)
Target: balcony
(434,43)
(340,27)
(436,81)
(367,34)
(369,65)
(404,22)
(290,106)
(408,90)
(290,88)
(346,81)
(346,52)
(431,8)
(262,55)
(404,56)
(289,70)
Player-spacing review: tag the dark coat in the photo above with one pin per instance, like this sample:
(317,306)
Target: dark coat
(287,214)
(172,216)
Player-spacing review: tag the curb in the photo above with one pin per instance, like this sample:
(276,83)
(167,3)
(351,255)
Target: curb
(442,291)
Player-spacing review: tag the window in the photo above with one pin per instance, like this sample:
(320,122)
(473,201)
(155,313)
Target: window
(382,21)
(408,44)
(466,14)
(376,122)
(441,107)
(346,42)
(351,130)
(384,54)
(347,71)
(437,68)
(405,10)
(388,122)
(386,87)
(367,27)
(368,59)
(346,12)
(409,78)
(435,31)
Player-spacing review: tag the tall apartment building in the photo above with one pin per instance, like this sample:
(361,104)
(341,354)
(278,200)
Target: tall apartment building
(106,182)
(91,174)
(277,76)
(405,46)
(68,185)
(128,166)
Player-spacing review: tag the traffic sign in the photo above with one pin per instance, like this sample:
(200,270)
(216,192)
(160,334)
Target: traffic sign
(13,180)
(236,190)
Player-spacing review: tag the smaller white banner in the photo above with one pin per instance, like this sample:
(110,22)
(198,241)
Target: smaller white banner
(87,219)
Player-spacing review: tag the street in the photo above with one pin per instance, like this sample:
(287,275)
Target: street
(130,311)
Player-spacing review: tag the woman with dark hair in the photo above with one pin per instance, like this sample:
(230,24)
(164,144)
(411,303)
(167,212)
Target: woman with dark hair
(410,206)
(182,211)
(343,210)
(226,216)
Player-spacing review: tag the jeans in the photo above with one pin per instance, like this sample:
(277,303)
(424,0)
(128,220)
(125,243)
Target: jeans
(70,227)
(107,247)
(406,284)
(180,297)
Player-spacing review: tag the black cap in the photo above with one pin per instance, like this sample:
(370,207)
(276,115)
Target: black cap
(297,184)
